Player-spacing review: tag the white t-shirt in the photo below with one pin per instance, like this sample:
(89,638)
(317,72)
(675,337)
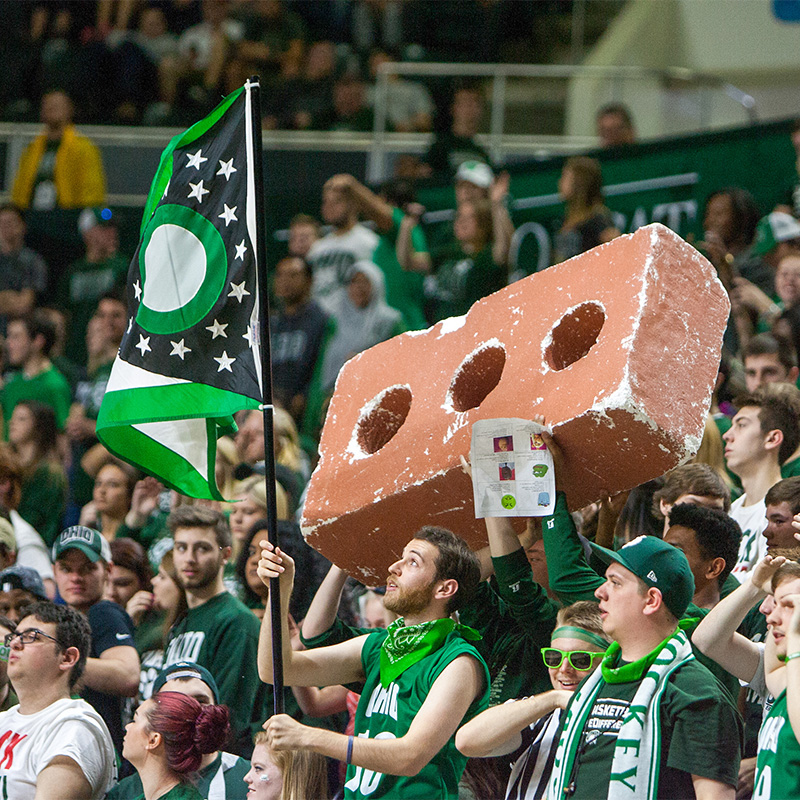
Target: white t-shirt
(332,256)
(29,742)
(753,521)
(31,550)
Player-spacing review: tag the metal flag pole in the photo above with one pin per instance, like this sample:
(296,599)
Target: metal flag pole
(266,383)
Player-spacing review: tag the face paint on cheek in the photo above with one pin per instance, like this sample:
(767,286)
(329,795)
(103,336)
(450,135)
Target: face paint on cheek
(263,778)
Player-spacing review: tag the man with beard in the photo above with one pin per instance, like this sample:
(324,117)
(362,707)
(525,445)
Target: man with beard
(217,632)
(421,679)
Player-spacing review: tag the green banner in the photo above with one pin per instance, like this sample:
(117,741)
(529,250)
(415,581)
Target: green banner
(664,181)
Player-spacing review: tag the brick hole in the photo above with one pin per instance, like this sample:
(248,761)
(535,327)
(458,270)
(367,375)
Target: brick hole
(574,335)
(386,415)
(478,374)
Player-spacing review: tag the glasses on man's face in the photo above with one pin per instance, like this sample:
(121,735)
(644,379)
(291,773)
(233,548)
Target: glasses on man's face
(28,637)
(579,660)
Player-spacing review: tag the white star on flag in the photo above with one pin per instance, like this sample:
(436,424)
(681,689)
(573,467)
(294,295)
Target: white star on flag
(241,249)
(195,160)
(238,291)
(197,191)
(144,344)
(224,362)
(137,290)
(130,324)
(179,349)
(229,214)
(250,335)
(166,189)
(226,168)
(218,329)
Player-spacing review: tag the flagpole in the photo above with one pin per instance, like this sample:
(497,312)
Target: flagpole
(266,383)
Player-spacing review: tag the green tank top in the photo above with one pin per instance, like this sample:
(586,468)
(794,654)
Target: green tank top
(778,765)
(388,713)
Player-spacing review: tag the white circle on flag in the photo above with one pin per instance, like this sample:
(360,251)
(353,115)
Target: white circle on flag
(175,268)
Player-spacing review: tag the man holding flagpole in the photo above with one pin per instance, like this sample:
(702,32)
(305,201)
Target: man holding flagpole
(421,676)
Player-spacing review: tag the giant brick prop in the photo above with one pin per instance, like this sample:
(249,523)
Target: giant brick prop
(618,348)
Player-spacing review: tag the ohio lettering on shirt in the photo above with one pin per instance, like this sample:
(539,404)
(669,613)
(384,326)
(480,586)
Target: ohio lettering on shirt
(382,702)
(184,647)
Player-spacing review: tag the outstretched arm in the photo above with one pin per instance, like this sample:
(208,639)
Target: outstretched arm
(496,731)
(437,720)
(324,666)
(716,635)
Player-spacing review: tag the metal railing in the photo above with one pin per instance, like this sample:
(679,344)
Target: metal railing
(380,142)
(498,142)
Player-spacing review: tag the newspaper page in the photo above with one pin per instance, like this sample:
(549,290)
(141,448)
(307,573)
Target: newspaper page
(512,469)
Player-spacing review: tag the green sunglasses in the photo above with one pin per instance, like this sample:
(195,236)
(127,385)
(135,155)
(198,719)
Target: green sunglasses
(579,660)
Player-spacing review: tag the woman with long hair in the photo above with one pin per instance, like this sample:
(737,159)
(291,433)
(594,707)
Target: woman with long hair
(472,266)
(587,221)
(166,740)
(153,613)
(285,774)
(33,436)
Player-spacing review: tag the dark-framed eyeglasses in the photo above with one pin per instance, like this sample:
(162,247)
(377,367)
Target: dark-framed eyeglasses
(28,637)
(579,660)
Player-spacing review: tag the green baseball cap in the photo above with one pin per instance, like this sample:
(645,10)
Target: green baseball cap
(89,541)
(773,229)
(657,563)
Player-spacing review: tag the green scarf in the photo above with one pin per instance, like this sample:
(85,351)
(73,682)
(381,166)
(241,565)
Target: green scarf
(634,770)
(405,645)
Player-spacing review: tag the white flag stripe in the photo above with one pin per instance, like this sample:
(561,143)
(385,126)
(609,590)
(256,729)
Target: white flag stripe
(188,438)
(128,376)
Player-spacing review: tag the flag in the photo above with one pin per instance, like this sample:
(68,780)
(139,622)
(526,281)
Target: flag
(190,356)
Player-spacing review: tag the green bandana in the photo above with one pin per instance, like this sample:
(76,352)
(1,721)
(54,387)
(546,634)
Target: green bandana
(405,645)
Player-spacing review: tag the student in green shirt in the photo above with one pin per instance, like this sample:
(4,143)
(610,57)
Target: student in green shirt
(218,631)
(421,670)
(651,722)
(29,341)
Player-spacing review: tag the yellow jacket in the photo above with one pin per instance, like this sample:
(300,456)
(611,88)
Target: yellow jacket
(78,173)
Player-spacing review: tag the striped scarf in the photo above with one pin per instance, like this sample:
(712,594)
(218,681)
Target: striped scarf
(636,762)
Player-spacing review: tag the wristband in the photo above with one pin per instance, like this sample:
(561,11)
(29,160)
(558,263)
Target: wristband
(793,655)
(350,744)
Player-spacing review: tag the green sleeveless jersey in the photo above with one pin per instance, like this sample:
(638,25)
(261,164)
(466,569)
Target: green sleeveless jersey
(778,765)
(388,713)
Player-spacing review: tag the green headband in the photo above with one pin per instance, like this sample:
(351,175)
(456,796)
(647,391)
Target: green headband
(571,632)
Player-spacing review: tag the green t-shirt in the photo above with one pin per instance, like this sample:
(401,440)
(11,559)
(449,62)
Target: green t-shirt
(49,387)
(183,791)
(778,765)
(222,636)
(461,279)
(516,618)
(388,714)
(225,774)
(404,289)
(700,735)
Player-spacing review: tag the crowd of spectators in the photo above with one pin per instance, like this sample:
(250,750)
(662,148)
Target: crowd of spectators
(167,62)
(161,594)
